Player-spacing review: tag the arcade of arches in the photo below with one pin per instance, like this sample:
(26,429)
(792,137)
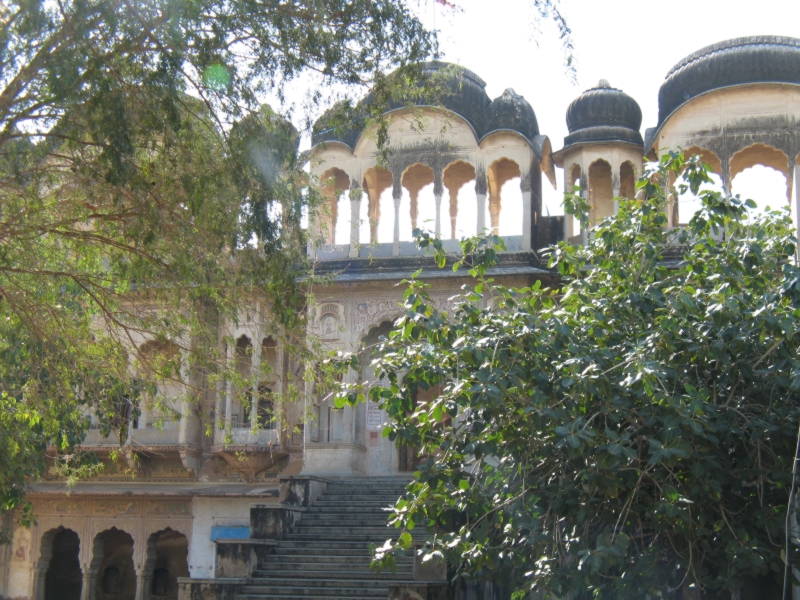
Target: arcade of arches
(381,211)
(107,548)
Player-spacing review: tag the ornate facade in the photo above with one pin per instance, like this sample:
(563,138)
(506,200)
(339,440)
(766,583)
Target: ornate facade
(155,512)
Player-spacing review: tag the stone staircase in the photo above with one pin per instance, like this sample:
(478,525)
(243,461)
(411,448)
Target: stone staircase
(326,555)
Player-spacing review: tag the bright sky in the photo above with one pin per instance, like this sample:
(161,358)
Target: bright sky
(631,43)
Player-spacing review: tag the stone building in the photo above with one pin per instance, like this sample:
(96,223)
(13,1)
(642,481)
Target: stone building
(179,504)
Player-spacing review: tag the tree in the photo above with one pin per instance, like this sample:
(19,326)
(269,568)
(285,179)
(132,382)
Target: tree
(144,191)
(628,433)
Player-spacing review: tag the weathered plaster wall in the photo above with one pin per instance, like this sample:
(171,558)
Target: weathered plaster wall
(210,512)
(729,120)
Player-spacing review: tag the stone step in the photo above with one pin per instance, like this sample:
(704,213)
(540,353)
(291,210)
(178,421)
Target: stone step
(315,594)
(353,537)
(341,529)
(343,557)
(259,584)
(357,503)
(364,574)
(347,507)
(346,517)
(299,591)
(327,554)
(387,500)
(348,511)
(312,566)
(312,596)
(323,545)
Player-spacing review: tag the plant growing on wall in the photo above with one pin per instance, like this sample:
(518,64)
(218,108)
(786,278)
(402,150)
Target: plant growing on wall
(629,433)
(145,193)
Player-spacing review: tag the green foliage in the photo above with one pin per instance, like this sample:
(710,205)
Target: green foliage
(628,434)
(146,194)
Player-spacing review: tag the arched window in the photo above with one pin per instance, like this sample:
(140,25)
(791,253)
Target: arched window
(627,181)
(375,183)
(416,179)
(601,192)
(505,197)
(333,182)
(760,173)
(688,203)
(459,208)
(63,579)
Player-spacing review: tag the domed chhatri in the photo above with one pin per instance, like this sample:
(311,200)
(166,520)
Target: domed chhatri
(740,61)
(511,112)
(604,114)
(464,95)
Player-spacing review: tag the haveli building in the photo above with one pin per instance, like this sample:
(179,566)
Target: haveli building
(270,514)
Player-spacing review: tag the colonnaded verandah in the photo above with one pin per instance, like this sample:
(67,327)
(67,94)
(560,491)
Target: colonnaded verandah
(289,511)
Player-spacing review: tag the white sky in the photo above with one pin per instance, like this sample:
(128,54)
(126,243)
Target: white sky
(631,43)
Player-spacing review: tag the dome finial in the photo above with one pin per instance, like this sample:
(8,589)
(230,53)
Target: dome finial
(603,83)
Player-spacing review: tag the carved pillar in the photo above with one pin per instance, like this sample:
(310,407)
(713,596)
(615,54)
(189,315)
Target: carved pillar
(525,186)
(797,203)
(256,371)
(311,251)
(89,583)
(615,185)
(229,358)
(726,173)
(438,192)
(584,225)
(567,217)
(397,196)
(142,591)
(39,576)
(480,193)
(355,217)
(494,214)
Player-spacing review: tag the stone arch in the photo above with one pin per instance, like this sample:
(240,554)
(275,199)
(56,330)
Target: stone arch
(333,182)
(375,182)
(680,213)
(112,571)
(455,176)
(243,351)
(58,574)
(601,191)
(707,156)
(500,172)
(759,154)
(160,358)
(269,384)
(627,180)
(416,177)
(167,558)
(574,176)
(762,155)
(243,364)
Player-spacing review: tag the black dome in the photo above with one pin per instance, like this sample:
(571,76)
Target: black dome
(759,59)
(512,112)
(604,114)
(464,94)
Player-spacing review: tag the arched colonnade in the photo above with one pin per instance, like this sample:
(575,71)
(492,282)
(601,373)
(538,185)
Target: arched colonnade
(260,365)
(602,182)
(363,193)
(727,166)
(112,566)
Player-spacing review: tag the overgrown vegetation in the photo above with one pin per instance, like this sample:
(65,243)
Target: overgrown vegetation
(629,433)
(145,193)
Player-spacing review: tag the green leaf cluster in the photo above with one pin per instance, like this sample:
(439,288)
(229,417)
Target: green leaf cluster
(628,433)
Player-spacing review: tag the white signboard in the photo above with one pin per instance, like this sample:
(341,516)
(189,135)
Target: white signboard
(374,415)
